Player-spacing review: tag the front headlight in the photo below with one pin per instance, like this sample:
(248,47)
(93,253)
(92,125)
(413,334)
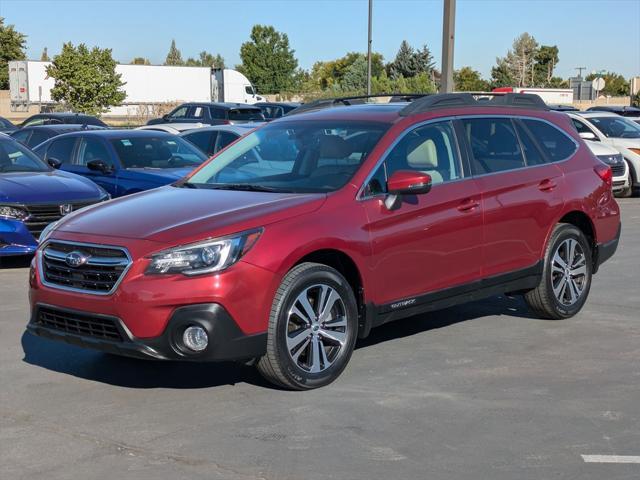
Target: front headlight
(616,159)
(46,232)
(203,257)
(15,213)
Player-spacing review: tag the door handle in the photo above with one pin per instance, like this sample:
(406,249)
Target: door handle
(468,205)
(547,185)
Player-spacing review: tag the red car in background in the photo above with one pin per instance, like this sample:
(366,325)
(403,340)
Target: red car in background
(297,239)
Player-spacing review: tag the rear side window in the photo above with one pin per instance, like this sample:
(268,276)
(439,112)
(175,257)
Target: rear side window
(37,138)
(224,139)
(202,140)
(494,145)
(22,136)
(62,149)
(247,114)
(556,145)
(217,113)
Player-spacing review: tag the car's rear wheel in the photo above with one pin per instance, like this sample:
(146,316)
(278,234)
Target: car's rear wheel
(566,277)
(312,328)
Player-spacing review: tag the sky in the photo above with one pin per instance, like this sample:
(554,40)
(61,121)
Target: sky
(596,34)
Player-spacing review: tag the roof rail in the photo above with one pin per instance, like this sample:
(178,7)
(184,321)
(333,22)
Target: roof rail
(353,100)
(474,99)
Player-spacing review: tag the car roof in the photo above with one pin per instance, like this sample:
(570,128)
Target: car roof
(278,104)
(381,112)
(222,105)
(596,113)
(63,115)
(119,133)
(64,127)
(238,128)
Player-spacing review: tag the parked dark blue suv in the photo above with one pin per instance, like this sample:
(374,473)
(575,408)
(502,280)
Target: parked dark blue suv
(33,195)
(122,161)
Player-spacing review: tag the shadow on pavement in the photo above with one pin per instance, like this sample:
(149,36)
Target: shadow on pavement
(135,373)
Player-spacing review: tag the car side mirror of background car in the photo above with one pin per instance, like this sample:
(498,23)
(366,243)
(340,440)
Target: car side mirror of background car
(589,136)
(165,117)
(54,162)
(405,182)
(99,166)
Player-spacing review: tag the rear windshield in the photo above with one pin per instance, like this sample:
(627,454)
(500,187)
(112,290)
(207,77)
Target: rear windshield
(157,152)
(616,127)
(246,114)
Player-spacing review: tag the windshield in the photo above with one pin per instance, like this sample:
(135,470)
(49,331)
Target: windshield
(296,157)
(16,158)
(157,152)
(616,127)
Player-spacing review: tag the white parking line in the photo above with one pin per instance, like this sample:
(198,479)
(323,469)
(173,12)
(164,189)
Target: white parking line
(611,458)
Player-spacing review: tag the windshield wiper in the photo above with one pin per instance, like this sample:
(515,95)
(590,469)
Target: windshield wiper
(249,187)
(186,185)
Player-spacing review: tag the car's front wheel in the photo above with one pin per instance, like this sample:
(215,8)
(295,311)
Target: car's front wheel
(566,276)
(312,328)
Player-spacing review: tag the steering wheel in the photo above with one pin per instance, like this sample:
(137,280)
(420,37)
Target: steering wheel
(174,160)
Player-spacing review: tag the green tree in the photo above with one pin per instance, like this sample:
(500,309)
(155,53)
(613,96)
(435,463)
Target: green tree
(328,74)
(469,80)
(12,45)
(206,59)
(614,84)
(174,57)
(409,62)
(355,77)
(268,60)
(45,55)
(86,80)
(140,61)
(501,75)
(546,58)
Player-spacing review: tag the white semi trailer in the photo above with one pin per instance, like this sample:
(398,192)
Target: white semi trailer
(145,85)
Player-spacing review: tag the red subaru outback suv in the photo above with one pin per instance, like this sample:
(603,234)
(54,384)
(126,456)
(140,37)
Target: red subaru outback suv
(300,237)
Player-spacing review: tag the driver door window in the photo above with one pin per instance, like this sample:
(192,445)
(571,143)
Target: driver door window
(429,149)
(179,114)
(93,149)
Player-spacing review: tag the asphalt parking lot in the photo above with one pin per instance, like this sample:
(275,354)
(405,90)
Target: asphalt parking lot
(481,391)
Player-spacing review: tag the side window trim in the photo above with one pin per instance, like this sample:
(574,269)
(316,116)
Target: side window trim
(382,161)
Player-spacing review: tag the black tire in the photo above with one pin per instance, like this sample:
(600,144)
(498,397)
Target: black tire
(278,365)
(542,300)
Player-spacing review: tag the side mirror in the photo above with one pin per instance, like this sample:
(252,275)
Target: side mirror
(165,117)
(588,136)
(405,182)
(99,166)
(54,162)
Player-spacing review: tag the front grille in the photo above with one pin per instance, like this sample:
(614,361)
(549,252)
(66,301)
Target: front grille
(42,215)
(617,170)
(79,323)
(98,270)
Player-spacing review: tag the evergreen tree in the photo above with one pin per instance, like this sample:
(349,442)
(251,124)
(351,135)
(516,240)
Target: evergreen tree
(174,57)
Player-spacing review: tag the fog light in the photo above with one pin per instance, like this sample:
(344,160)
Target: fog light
(195,338)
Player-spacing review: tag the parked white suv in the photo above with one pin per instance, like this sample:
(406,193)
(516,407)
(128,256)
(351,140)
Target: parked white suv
(612,157)
(616,131)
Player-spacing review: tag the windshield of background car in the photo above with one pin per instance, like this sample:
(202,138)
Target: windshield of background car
(307,156)
(616,127)
(157,152)
(16,158)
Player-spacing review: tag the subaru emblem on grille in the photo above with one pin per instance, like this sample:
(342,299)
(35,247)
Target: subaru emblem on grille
(66,209)
(76,259)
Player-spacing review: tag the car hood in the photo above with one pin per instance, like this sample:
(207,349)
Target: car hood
(626,142)
(53,186)
(173,215)
(163,174)
(599,148)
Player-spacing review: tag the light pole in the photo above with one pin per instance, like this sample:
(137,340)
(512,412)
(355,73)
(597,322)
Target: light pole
(369,50)
(448,33)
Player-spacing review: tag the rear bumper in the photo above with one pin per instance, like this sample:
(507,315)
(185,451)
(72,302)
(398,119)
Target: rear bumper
(606,250)
(226,340)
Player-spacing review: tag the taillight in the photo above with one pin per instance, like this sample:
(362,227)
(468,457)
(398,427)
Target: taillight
(605,173)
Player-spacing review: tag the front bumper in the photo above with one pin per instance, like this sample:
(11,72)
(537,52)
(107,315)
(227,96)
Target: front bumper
(15,239)
(226,340)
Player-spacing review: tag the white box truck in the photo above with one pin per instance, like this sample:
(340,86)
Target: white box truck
(144,85)
(552,96)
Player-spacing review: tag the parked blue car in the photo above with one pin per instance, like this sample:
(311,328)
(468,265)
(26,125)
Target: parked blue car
(122,161)
(32,195)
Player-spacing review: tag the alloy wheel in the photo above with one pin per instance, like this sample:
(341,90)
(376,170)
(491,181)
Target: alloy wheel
(569,272)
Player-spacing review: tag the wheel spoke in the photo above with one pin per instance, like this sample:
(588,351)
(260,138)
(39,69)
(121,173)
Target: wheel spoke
(303,347)
(334,335)
(558,288)
(557,259)
(303,300)
(337,322)
(315,355)
(571,254)
(326,363)
(573,294)
(325,313)
(297,339)
(298,313)
(579,271)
